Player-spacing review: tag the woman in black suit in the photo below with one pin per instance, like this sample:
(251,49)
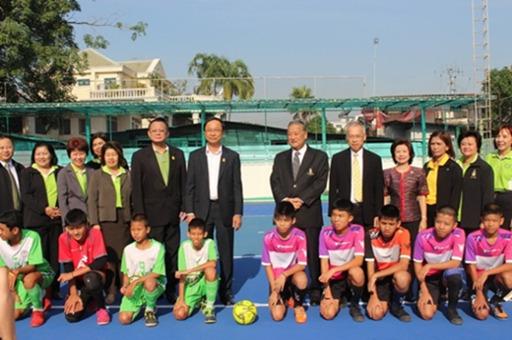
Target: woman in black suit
(444,175)
(38,186)
(97,141)
(477,181)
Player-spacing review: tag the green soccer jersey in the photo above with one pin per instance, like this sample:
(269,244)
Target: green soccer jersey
(27,252)
(137,262)
(188,258)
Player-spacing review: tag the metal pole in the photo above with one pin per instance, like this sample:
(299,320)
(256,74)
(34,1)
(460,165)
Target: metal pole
(110,127)
(375,43)
(324,131)
(88,128)
(424,135)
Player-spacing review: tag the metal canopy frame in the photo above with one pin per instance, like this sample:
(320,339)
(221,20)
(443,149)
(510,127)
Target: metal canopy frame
(118,108)
(176,107)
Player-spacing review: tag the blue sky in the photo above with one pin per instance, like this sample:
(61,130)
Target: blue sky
(418,40)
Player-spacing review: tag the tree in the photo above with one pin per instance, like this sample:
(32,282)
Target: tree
(314,125)
(38,52)
(501,88)
(304,115)
(219,76)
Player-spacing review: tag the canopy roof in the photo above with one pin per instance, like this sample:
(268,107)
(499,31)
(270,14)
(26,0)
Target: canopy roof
(187,106)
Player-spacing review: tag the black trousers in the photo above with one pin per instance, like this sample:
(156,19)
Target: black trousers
(312,238)
(50,245)
(504,200)
(225,236)
(169,236)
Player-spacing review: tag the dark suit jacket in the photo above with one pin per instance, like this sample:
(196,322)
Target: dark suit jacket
(309,186)
(230,196)
(70,192)
(101,199)
(449,184)
(161,203)
(340,182)
(477,191)
(6,202)
(35,199)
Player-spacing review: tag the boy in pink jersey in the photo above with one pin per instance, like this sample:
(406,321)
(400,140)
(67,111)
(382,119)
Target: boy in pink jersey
(437,256)
(84,257)
(284,257)
(341,250)
(489,263)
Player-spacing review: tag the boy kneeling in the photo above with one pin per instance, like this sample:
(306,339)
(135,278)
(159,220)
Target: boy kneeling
(284,257)
(437,256)
(341,250)
(83,254)
(143,266)
(29,273)
(197,263)
(388,252)
(489,263)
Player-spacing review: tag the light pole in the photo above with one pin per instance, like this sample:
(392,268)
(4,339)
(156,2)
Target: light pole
(375,43)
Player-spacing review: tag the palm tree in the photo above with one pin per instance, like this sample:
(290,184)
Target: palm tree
(221,77)
(302,92)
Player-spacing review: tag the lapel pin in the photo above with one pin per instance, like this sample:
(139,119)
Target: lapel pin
(310,172)
(173,158)
(223,160)
(473,174)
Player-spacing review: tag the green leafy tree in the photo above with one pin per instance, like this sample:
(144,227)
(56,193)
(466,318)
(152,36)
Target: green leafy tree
(38,52)
(220,76)
(305,114)
(314,125)
(501,88)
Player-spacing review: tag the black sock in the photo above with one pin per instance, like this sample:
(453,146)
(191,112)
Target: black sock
(356,295)
(454,283)
(299,295)
(397,298)
(501,292)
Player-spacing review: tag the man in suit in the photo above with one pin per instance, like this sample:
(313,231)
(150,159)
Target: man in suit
(158,191)
(10,171)
(214,194)
(299,176)
(356,174)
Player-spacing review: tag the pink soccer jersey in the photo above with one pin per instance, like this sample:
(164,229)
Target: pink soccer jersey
(341,249)
(284,254)
(429,250)
(485,255)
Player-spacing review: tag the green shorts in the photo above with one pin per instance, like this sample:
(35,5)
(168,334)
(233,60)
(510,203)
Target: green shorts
(135,303)
(195,291)
(22,291)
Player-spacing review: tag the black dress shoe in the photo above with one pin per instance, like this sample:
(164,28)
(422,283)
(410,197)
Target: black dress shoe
(171,298)
(56,296)
(314,300)
(228,300)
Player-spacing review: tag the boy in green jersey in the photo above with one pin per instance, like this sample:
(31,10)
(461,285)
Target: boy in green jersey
(197,263)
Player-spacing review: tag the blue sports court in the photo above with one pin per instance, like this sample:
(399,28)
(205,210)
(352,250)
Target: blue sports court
(251,284)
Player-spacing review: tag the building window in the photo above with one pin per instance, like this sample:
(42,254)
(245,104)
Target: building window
(40,126)
(81,126)
(64,126)
(83,82)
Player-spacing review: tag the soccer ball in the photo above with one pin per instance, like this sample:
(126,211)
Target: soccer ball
(244,312)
